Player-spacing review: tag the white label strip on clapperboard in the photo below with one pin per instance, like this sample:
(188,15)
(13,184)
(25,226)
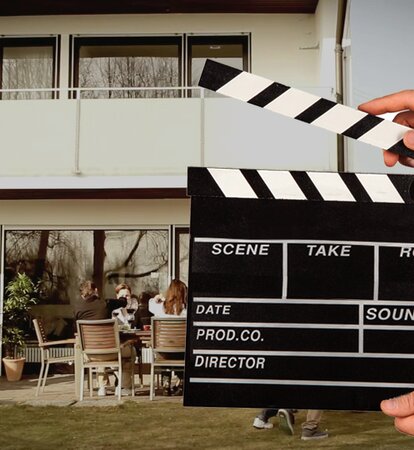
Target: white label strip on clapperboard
(306,107)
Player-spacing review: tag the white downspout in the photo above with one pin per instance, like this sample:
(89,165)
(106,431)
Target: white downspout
(340,24)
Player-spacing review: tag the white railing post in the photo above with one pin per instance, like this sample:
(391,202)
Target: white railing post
(77,131)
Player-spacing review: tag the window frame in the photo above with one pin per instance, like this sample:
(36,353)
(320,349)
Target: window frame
(76,42)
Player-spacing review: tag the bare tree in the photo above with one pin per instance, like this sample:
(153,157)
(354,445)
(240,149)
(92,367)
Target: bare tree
(129,71)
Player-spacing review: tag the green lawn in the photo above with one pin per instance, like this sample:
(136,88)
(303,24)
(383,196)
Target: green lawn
(167,425)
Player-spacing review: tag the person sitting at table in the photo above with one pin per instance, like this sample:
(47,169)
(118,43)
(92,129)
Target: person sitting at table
(125,313)
(115,303)
(91,307)
(173,304)
(143,314)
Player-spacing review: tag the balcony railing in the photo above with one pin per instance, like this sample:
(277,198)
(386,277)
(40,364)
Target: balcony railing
(71,135)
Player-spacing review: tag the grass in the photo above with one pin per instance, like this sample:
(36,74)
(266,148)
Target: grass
(171,426)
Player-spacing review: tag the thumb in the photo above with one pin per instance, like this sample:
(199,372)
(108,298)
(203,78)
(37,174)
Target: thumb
(409,139)
(400,406)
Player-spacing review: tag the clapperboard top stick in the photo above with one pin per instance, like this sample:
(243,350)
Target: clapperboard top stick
(305,107)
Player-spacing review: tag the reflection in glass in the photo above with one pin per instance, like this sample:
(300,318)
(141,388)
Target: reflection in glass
(142,64)
(27,68)
(184,243)
(64,258)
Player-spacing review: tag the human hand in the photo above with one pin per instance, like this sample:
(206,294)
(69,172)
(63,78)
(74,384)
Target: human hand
(158,298)
(400,101)
(402,408)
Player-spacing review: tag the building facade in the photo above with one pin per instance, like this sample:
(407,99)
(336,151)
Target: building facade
(100,116)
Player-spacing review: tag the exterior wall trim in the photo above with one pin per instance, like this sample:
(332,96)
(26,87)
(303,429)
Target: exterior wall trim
(92,194)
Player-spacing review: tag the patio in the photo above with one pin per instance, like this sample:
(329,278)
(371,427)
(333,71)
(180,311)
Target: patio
(60,391)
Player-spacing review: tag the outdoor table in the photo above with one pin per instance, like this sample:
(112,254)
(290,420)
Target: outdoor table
(135,335)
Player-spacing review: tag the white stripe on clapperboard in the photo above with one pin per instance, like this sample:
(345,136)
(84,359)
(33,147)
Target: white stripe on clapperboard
(331,186)
(282,185)
(302,354)
(379,188)
(232,183)
(306,241)
(300,382)
(339,118)
(291,103)
(385,134)
(245,86)
(278,300)
(319,326)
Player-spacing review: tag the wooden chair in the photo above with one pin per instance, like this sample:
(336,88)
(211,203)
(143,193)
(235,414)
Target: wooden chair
(45,354)
(101,348)
(167,338)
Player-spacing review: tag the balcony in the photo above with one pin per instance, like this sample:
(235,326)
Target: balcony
(150,141)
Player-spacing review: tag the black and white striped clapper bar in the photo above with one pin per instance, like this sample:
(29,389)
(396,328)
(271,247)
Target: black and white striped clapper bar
(305,107)
(301,289)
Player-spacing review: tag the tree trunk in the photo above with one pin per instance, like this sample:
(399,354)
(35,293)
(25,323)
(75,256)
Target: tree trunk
(98,259)
(41,255)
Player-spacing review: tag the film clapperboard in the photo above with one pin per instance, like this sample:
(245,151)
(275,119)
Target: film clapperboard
(301,284)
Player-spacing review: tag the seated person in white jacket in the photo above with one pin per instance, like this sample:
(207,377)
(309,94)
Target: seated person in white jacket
(174,304)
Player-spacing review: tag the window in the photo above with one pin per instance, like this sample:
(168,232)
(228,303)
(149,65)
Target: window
(182,251)
(120,62)
(150,62)
(63,258)
(230,50)
(28,63)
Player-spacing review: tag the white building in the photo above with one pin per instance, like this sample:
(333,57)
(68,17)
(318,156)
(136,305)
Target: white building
(100,115)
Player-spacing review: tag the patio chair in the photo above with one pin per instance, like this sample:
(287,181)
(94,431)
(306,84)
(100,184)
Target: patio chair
(101,348)
(45,353)
(167,340)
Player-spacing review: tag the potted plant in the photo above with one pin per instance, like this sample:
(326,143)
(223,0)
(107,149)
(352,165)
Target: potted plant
(20,295)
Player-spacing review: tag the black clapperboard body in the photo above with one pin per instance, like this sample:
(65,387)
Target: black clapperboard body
(301,284)
(301,289)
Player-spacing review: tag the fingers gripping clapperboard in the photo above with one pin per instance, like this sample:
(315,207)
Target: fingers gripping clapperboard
(301,284)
